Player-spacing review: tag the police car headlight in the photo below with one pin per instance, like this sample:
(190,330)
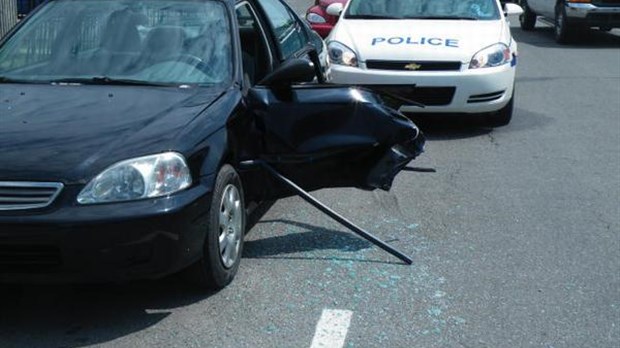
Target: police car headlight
(315,18)
(341,54)
(492,56)
(138,178)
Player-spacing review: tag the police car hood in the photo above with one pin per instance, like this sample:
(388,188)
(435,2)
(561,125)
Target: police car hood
(427,40)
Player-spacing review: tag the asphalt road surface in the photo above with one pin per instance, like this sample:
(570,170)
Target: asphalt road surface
(515,243)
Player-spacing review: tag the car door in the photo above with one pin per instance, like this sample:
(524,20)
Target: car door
(315,134)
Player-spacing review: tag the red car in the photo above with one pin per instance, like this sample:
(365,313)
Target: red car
(319,20)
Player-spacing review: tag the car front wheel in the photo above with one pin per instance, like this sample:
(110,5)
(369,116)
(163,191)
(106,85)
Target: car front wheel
(563,30)
(527,18)
(503,116)
(224,239)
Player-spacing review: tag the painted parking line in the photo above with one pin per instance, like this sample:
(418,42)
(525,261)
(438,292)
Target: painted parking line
(331,330)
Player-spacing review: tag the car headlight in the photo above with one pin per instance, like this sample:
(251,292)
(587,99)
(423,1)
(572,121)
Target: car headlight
(341,54)
(492,56)
(138,178)
(315,18)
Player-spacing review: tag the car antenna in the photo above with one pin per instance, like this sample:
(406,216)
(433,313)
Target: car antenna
(328,211)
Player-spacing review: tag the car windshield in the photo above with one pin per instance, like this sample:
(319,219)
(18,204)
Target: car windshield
(423,9)
(122,41)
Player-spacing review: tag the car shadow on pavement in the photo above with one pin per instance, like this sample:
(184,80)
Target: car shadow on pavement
(314,239)
(542,36)
(80,315)
(456,127)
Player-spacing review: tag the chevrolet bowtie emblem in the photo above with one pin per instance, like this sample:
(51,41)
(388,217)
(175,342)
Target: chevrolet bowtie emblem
(412,66)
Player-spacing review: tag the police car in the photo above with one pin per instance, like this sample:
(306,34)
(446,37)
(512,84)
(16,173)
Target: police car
(433,56)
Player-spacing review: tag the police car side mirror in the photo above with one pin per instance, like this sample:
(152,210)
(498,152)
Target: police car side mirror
(292,71)
(511,9)
(335,9)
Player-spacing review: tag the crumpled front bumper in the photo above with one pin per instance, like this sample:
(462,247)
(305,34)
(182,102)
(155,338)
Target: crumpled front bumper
(383,174)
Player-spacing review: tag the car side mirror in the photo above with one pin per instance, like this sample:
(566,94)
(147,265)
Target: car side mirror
(290,72)
(335,9)
(511,9)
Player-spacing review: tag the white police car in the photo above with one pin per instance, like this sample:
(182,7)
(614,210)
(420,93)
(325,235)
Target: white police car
(452,56)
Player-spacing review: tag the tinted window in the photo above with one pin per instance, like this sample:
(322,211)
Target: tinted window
(287,31)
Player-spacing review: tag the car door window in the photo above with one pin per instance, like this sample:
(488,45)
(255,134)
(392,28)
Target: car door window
(255,53)
(287,31)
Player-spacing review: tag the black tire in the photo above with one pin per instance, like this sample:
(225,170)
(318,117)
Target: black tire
(214,270)
(563,30)
(528,18)
(503,116)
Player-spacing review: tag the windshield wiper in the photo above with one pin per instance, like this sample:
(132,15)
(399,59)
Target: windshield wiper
(469,18)
(104,80)
(371,16)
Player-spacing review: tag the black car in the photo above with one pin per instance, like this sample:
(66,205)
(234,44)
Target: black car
(127,128)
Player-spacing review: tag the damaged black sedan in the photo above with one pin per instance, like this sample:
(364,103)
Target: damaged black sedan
(124,127)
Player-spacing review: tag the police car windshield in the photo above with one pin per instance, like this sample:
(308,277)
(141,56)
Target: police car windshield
(423,9)
(155,42)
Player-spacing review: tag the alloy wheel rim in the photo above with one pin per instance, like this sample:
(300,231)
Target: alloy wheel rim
(230,226)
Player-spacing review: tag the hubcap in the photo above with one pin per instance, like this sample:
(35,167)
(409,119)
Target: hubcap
(230,225)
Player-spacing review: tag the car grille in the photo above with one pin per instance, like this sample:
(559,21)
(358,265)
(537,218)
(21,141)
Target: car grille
(429,96)
(483,98)
(28,258)
(604,18)
(607,2)
(413,66)
(27,195)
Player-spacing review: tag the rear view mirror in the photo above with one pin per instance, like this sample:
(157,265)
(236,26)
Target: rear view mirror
(511,9)
(292,71)
(335,9)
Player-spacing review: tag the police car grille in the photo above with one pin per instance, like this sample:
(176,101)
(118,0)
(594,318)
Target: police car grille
(27,195)
(413,66)
(429,96)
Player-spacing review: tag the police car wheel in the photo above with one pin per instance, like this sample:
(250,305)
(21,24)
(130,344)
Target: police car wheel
(225,231)
(501,117)
(528,18)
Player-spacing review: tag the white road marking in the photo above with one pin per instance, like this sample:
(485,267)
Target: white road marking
(331,331)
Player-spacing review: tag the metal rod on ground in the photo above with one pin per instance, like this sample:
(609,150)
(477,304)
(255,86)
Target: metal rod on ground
(325,209)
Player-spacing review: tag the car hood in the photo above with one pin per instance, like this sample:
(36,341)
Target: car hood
(71,133)
(424,40)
